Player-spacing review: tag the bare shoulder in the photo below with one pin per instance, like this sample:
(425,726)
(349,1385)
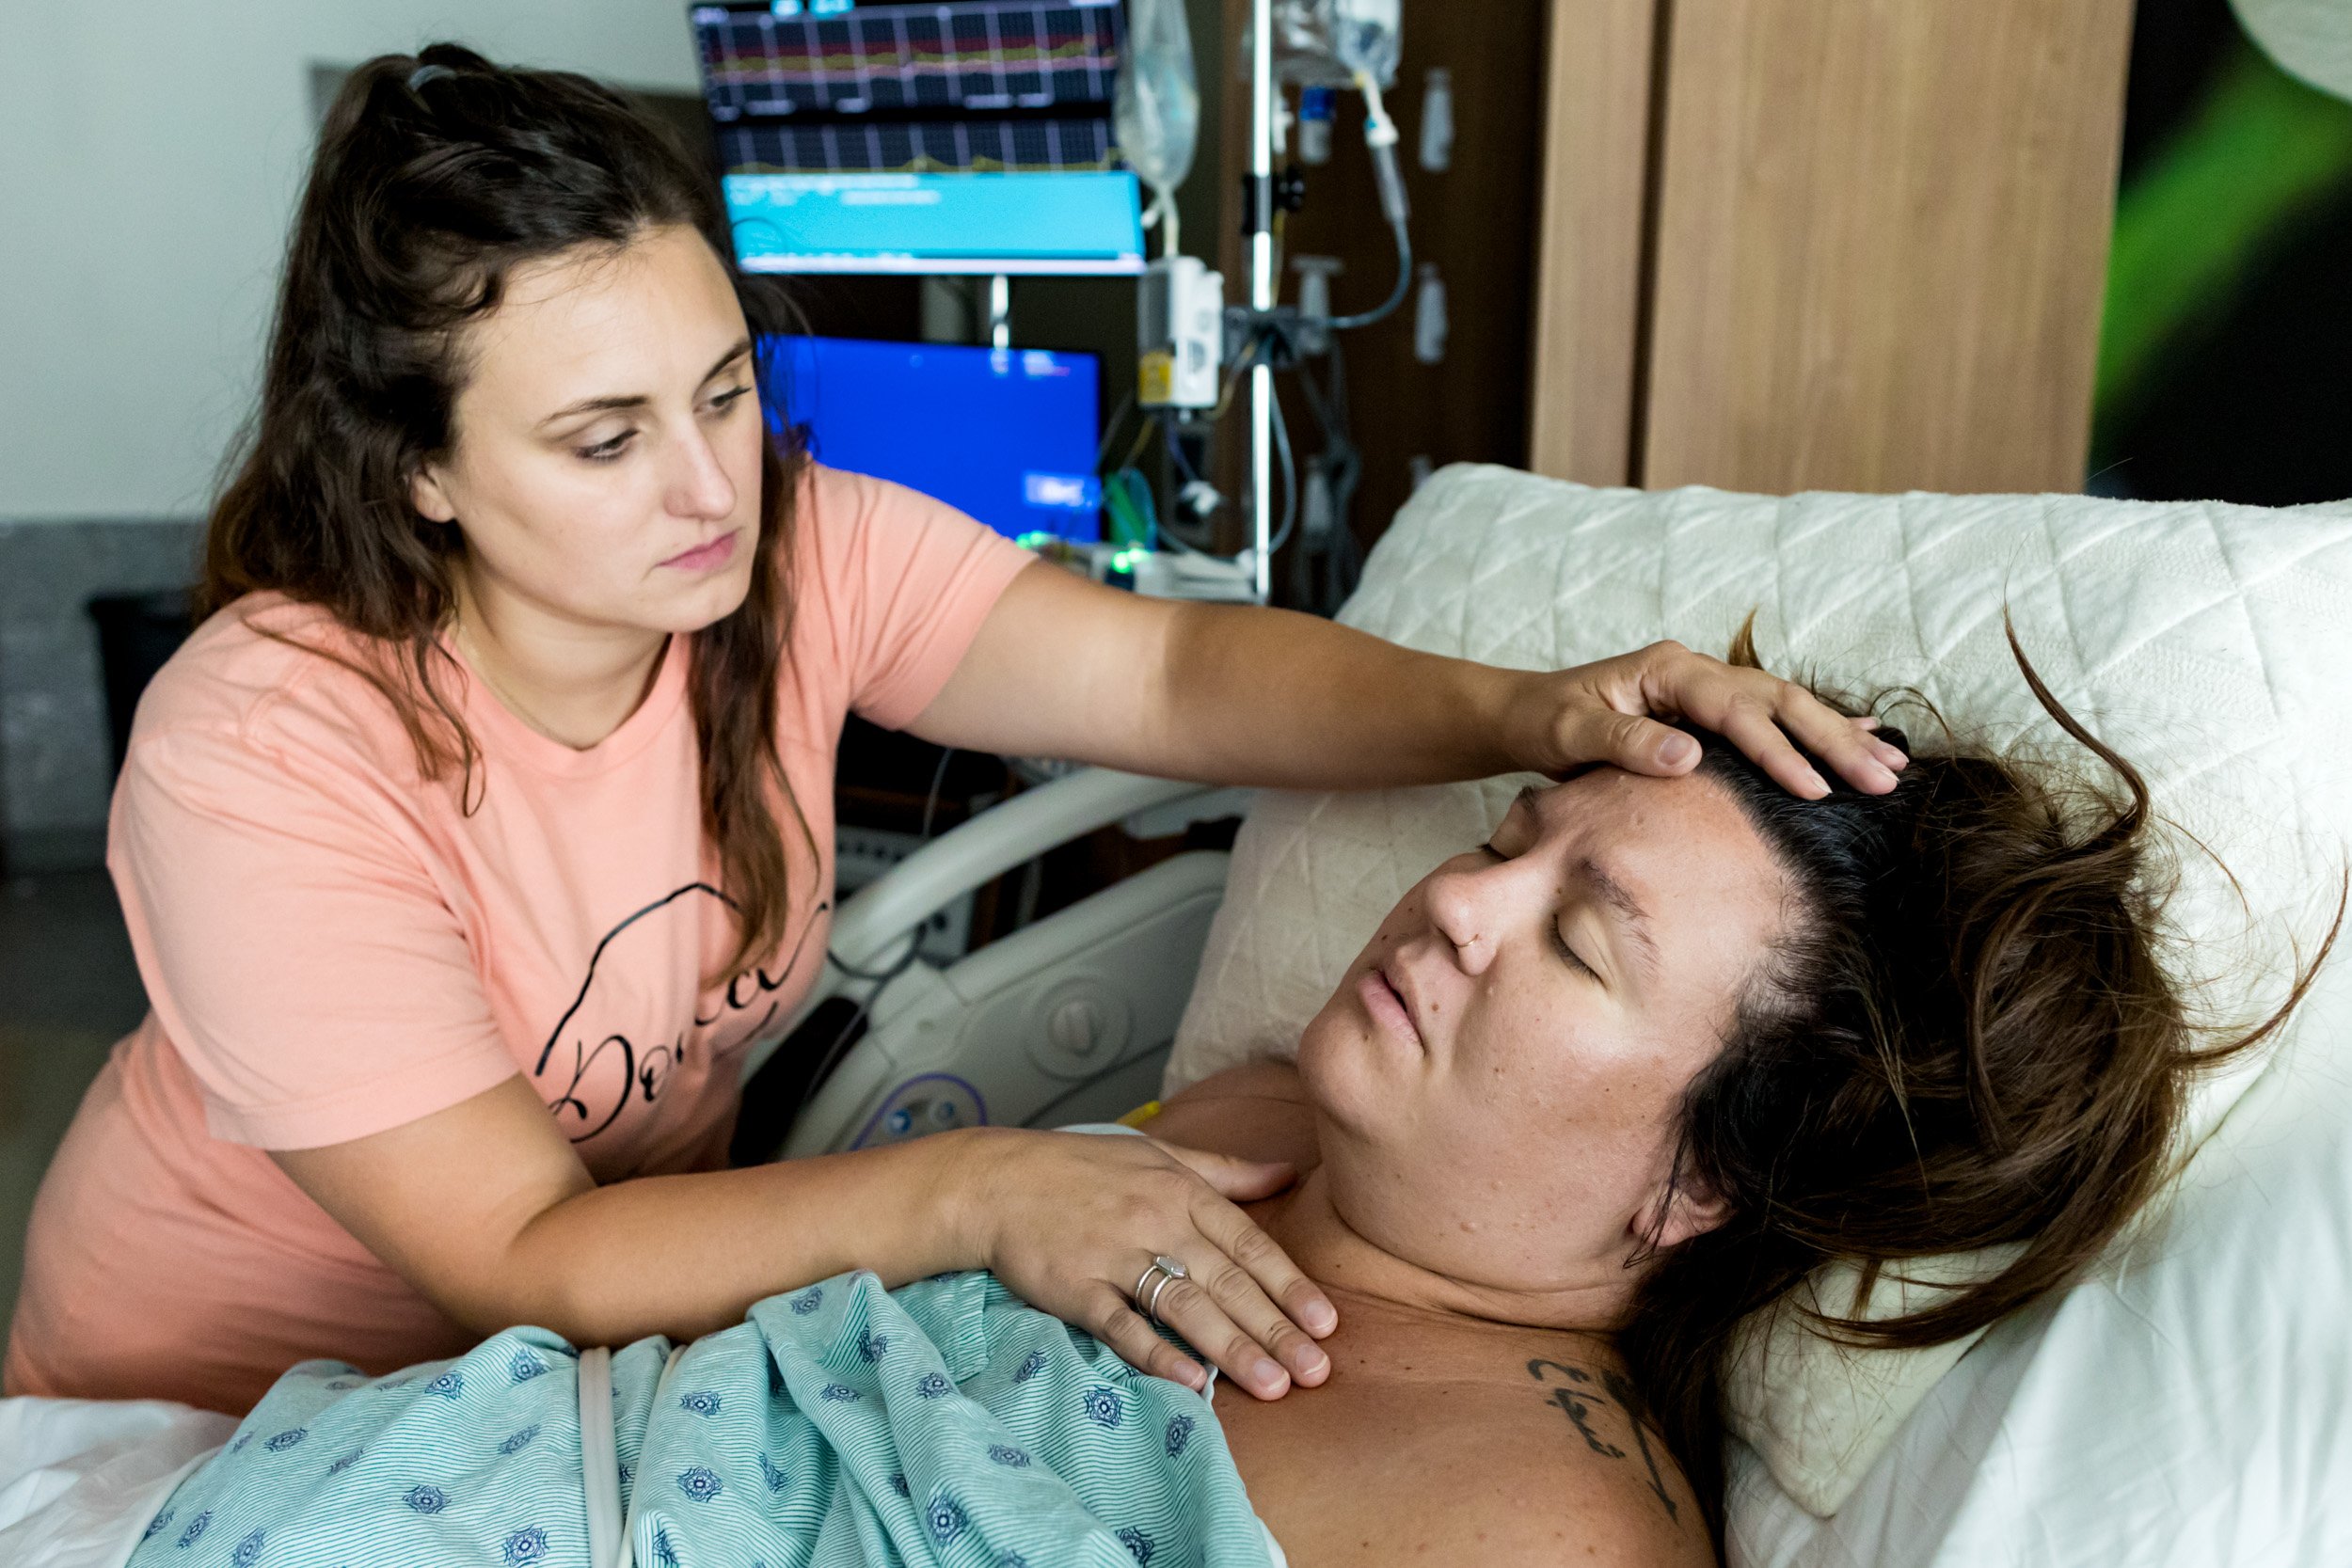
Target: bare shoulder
(1574,1474)
(1539,1462)
(1257,1111)
(1602,1488)
(1265,1079)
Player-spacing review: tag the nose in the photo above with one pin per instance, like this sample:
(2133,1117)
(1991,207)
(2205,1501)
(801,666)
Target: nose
(698,483)
(1461,905)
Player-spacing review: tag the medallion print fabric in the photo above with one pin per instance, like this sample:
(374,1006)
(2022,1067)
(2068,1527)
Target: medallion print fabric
(843,1426)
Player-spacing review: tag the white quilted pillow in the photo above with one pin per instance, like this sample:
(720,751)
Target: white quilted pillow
(2208,643)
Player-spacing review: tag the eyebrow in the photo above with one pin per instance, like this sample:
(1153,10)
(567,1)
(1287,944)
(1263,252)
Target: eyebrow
(1619,898)
(638,400)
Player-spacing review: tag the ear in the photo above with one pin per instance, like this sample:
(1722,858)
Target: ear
(426,495)
(1686,1208)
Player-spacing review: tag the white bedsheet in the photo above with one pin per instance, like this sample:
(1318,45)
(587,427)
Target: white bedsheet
(80,1479)
(2192,1406)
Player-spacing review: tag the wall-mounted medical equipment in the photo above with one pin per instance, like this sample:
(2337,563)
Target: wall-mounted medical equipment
(1314,285)
(1328,42)
(1429,317)
(1009,435)
(1179,331)
(966,137)
(1315,109)
(1437,121)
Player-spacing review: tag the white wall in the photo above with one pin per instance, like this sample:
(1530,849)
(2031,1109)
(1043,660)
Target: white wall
(149,158)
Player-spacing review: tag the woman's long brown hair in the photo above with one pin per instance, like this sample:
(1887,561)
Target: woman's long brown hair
(1968,1040)
(435,176)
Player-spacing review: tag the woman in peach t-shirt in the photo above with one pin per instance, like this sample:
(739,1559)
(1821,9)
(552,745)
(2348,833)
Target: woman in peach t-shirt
(487,821)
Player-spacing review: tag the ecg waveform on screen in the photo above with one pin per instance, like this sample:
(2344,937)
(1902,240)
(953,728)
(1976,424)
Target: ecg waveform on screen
(971,57)
(919,147)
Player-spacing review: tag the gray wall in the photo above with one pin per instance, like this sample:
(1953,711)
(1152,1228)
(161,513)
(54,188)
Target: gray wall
(148,164)
(57,766)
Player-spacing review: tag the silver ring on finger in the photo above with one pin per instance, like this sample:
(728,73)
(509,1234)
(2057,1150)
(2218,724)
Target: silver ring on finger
(1168,1271)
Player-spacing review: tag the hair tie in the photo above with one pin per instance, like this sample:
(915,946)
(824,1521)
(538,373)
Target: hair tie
(424,73)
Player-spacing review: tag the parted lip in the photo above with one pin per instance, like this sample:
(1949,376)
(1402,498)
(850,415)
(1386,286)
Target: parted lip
(710,551)
(1391,974)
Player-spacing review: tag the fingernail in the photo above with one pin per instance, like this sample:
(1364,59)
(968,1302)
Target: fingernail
(1268,1375)
(1891,756)
(1815,783)
(1195,1379)
(1677,750)
(1319,1318)
(1313,1362)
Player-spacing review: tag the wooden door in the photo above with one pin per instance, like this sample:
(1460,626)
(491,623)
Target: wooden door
(1872,243)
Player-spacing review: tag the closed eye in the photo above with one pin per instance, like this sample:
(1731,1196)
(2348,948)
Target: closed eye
(1559,938)
(606,450)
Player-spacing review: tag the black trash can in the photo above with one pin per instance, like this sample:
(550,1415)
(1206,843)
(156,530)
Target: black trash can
(137,633)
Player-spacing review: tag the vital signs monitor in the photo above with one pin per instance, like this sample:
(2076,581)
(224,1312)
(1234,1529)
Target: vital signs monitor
(1006,434)
(965,136)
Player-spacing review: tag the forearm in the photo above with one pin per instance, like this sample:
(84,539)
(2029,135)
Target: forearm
(686,1255)
(1288,701)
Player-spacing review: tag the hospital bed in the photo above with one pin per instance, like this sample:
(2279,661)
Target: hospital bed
(2184,1404)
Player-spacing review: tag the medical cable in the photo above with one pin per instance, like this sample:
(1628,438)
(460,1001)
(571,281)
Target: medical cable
(1110,431)
(1380,139)
(1342,464)
(876,979)
(1290,473)
(1171,531)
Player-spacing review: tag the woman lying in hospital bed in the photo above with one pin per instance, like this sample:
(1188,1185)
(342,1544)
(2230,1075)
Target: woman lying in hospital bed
(1592,1093)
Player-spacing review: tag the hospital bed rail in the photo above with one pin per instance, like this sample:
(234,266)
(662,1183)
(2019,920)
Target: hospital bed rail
(1069,1019)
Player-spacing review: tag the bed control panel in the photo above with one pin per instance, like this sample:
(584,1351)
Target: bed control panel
(1066,1020)
(930,1102)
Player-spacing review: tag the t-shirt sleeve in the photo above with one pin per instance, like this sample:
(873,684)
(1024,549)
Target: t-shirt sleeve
(293,945)
(902,584)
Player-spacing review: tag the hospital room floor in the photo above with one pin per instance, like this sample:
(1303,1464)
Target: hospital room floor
(68,990)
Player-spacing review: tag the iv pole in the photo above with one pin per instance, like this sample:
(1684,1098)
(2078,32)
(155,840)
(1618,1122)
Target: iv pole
(1261,291)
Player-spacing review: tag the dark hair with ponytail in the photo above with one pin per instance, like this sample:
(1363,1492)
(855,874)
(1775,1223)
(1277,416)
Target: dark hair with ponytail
(435,176)
(1966,1040)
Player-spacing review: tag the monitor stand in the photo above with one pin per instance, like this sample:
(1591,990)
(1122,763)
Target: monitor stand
(1000,312)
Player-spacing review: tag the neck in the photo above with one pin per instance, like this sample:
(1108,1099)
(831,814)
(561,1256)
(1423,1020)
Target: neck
(1308,1223)
(572,682)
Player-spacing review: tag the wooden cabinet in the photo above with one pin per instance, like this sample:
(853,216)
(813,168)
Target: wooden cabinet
(1852,244)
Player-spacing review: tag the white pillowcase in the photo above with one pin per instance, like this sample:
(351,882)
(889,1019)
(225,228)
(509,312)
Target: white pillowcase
(2182,1408)
(2208,643)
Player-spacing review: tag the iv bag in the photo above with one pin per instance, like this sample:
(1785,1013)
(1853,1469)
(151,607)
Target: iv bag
(1155,104)
(1324,42)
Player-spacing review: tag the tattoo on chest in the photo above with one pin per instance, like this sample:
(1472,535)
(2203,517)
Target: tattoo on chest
(598,1060)
(1579,1392)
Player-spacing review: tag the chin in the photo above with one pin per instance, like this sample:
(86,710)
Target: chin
(1334,1056)
(706,604)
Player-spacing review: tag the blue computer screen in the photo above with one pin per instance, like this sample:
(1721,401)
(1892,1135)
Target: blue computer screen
(1006,434)
(951,135)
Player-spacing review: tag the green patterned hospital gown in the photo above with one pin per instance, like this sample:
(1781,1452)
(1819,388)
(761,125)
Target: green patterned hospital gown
(943,1423)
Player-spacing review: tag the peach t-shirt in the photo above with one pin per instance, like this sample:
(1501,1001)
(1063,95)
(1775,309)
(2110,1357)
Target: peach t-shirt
(332,948)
